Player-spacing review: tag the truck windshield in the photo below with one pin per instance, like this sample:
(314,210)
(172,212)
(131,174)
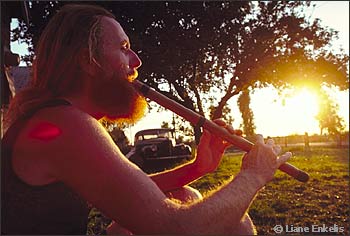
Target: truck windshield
(153,136)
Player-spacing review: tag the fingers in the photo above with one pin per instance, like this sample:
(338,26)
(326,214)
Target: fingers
(270,142)
(259,139)
(220,122)
(284,158)
(229,128)
(277,149)
(238,132)
(205,139)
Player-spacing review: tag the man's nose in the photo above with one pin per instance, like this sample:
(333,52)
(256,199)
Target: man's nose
(135,61)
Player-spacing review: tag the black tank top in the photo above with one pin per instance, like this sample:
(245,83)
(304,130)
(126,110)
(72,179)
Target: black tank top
(26,209)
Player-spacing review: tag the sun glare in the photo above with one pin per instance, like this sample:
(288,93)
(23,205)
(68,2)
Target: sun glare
(304,102)
(302,109)
(277,116)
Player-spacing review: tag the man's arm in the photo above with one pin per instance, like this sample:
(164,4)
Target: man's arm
(176,178)
(86,159)
(206,161)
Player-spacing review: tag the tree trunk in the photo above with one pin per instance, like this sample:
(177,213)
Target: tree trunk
(196,130)
(230,92)
(219,109)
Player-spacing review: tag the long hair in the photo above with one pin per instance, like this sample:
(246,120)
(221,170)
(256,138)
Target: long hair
(71,30)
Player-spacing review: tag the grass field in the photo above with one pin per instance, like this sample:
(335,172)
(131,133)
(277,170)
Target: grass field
(324,200)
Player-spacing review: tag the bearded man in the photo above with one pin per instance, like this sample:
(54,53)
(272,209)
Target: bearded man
(57,159)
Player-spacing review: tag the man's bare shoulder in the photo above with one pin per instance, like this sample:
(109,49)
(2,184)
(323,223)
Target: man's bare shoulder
(56,136)
(64,116)
(68,118)
(60,127)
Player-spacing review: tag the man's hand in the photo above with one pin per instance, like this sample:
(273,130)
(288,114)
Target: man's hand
(209,154)
(211,148)
(263,160)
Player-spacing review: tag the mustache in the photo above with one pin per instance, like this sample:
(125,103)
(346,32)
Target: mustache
(132,75)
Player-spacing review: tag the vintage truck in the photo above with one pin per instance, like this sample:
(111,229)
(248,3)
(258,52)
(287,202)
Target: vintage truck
(157,144)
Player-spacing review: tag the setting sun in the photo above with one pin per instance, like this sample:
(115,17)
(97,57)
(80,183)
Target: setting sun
(273,115)
(277,116)
(304,102)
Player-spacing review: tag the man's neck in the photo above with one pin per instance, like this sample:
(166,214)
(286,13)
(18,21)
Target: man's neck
(84,104)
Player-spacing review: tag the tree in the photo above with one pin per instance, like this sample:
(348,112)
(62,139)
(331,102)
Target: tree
(165,125)
(120,140)
(232,46)
(181,127)
(328,115)
(281,48)
(247,114)
(202,54)
(117,134)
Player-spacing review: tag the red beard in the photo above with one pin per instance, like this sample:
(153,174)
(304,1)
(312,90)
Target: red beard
(118,99)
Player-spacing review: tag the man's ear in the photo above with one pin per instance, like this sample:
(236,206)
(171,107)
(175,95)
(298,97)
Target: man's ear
(88,65)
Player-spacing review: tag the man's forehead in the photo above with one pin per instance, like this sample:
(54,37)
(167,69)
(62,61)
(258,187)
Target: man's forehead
(111,29)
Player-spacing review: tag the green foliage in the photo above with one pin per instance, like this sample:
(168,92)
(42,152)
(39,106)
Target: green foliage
(120,139)
(201,54)
(97,223)
(247,113)
(226,113)
(328,117)
(116,132)
(165,125)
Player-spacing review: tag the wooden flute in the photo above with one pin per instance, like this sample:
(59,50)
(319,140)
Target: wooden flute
(201,121)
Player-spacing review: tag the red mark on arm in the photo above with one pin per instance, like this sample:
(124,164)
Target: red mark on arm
(45,131)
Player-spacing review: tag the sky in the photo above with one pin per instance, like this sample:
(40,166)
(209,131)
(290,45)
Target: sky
(273,116)
(296,116)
